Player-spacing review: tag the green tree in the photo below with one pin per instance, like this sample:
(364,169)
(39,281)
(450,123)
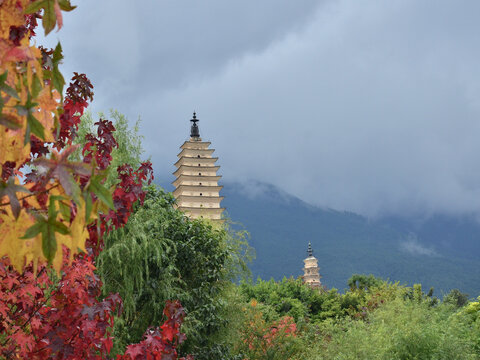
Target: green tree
(456,297)
(161,254)
(129,150)
(363,282)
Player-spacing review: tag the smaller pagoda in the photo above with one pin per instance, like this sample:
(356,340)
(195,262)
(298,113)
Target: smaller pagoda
(196,185)
(311,275)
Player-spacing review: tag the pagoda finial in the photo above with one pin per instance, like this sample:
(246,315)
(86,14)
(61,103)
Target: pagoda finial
(194,131)
(310,250)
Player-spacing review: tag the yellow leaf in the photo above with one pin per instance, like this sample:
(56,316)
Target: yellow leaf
(18,250)
(77,237)
(10,15)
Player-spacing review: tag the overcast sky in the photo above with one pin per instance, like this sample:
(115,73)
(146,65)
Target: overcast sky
(367,106)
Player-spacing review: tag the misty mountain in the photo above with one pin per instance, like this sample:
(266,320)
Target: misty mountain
(440,251)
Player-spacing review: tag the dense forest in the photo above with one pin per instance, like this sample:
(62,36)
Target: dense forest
(96,263)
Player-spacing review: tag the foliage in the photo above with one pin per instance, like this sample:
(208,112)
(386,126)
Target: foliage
(161,342)
(363,282)
(290,297)
(43,319)
(67,209)
(129,143)
(401,329)
(161,254)
(456,298)
(259,339)
(379,320)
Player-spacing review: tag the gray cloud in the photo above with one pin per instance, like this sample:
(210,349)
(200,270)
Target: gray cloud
(366,106)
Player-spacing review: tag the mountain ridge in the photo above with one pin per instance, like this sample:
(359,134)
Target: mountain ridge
(345,243)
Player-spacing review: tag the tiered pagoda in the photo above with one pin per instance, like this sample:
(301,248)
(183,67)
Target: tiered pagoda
(196,186)
(311,275)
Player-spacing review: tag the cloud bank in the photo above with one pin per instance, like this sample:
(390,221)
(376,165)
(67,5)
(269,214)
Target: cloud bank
(371,106)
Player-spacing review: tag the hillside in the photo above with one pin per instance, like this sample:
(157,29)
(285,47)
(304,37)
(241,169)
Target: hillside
(443,252)
(428,252)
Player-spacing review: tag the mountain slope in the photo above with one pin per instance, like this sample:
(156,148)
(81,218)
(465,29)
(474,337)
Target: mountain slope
(345,243)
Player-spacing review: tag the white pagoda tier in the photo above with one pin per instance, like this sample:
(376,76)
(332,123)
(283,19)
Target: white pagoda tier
(311,275)
(197,192)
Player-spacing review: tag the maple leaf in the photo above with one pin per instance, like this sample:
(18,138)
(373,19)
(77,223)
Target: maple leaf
(134,350)
(10,282)
(59,167)
(36,323)
(47,226)
(24,341)
(10,189)
(168,332)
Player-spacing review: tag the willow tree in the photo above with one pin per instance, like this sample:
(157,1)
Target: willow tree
(161,254)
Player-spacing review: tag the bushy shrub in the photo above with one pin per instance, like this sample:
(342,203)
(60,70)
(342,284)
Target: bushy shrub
(400,329)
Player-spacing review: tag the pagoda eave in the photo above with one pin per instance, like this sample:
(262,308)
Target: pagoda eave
(181,198)
(191,161)
(198,179)
(198,144)
(186,168)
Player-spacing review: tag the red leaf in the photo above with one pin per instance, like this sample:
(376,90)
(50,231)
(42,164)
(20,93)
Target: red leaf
(134,350)
(108,343)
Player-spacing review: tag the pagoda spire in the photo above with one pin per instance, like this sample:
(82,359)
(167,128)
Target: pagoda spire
(310,250)
(194,131)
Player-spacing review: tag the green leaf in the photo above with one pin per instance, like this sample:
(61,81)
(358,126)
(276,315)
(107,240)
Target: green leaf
(57,79)
(5,88)
(56,76)
(49,17)
(33,230)
(36,86)
(8,90)
(64,210)
(65,5)
(59,227)
(102,192)
(52,209)
(35,6)
(35,126)
(49,243)
(57,54)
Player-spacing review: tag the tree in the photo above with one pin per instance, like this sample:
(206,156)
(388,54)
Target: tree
(363,282)
(456,297)
(129,148)
(161,254)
